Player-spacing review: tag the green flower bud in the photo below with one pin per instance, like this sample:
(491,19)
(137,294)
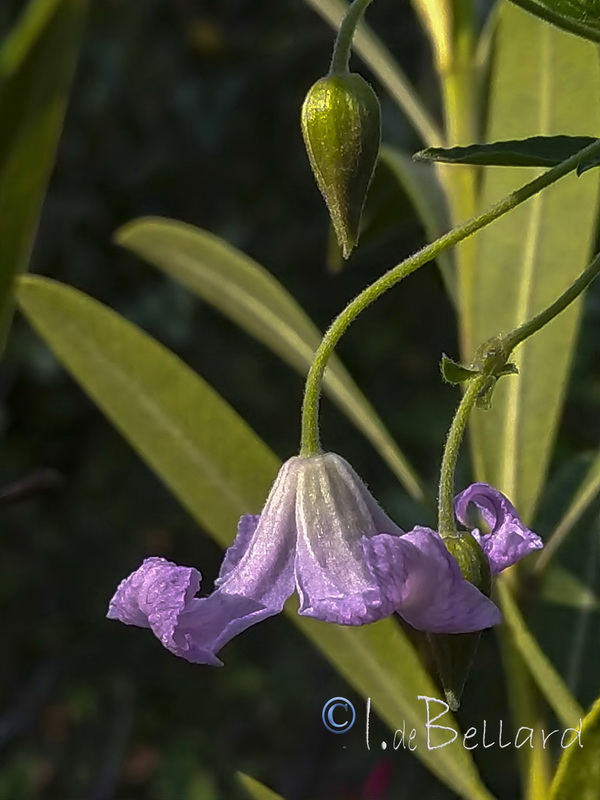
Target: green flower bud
(454,653)
(341,126)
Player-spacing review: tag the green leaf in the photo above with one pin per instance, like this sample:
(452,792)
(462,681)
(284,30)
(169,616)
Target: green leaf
(219,469)
(582,500)
(255,789)
(250,296)
(527,258)
(588,163)
(425,192)
(437,19)
(384,66)
(453,372)
(525,710)
(561,587)
(36,65)
(578,773)
(537,151)
(548,681)
(581,17)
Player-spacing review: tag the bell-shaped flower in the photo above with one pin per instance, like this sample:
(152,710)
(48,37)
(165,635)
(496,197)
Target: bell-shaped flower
(323,534)
(508,539)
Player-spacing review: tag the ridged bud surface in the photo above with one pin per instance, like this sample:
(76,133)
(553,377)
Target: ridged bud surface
(341,126)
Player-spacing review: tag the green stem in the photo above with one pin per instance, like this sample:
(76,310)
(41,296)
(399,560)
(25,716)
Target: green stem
(446,524)
(343,43)
(310,406)
(527,329)
(506,344)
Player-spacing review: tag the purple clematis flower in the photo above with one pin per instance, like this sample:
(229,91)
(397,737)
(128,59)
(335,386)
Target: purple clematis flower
(508,539)
(322,533)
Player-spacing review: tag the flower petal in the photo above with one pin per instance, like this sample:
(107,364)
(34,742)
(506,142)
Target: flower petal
(426,584)
(233,555)
(508,540)
(257,576)
(208,623)
(160,595)
(334,511)
(154,596)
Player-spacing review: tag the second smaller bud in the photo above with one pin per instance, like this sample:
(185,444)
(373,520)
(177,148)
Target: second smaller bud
(341,126)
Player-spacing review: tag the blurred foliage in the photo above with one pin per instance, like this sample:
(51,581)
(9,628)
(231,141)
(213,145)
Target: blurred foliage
(191,110)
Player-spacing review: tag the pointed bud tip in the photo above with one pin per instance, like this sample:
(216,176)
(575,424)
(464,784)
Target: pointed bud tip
(454,654)
(341,126)
(452,699)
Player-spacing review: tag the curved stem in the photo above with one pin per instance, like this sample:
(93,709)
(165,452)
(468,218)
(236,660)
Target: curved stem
(527,329)
(446,524)
(343,43)
(310,405)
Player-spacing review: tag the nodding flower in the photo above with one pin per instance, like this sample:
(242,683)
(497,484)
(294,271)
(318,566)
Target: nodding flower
(322,534)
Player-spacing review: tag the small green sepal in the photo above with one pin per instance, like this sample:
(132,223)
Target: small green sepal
(484,398)
(491,359)
(341,126)
(454,653)
(509,369)
(453,372)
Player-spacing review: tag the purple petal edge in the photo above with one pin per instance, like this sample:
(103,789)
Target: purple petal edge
(438,598)
(509,539)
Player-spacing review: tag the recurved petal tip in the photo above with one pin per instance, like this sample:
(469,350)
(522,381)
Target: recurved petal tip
(509,539)
(154,596)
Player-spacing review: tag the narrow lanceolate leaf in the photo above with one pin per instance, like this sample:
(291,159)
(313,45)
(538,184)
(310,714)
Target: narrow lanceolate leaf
(250,296)
(219,469)
(536,151)
(582,500)
(578,773)
(525,707)
(36,66)
(526,259)
(437,19)
(548,680)
(559,586)
(255,789)
(581,17)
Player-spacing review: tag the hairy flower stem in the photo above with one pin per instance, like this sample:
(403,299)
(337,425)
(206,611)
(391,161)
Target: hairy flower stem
(506,343)
(446,524)
(310,406)
(343,43)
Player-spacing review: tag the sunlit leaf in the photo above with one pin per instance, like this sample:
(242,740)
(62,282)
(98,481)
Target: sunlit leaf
(219,469)
(250,296)
(582,500)
(548,681)
(437,19)
(36,66)
(525,707)
(578,773)
(528,257)
(559,586)
(576,16)
(255,789)
(536,151)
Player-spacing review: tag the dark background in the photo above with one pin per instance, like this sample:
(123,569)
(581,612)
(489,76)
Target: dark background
(190,110)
